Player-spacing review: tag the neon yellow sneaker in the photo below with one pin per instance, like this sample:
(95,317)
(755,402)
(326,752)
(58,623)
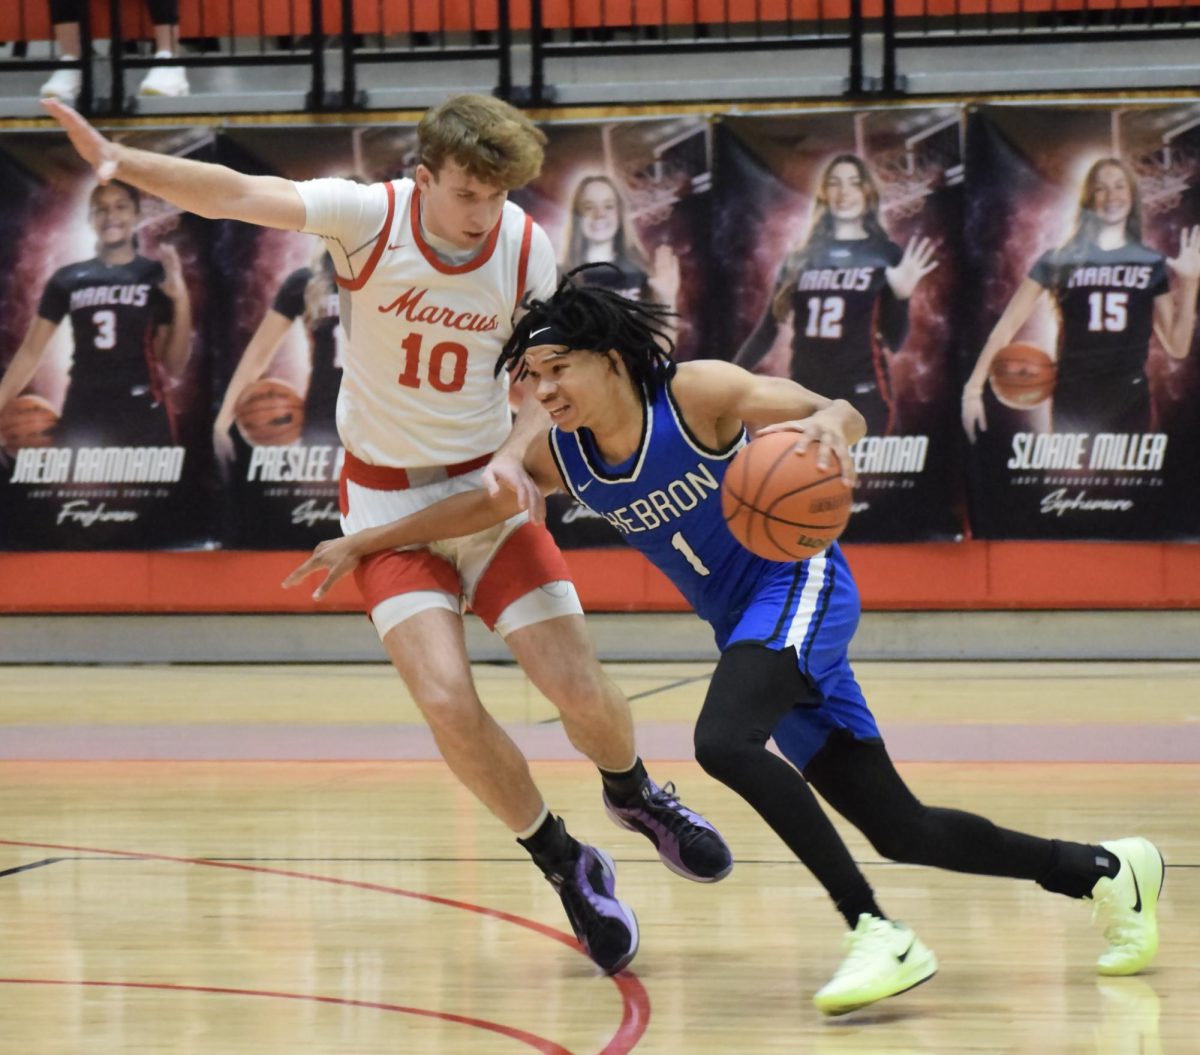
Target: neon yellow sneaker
(1127,905)
(883,958)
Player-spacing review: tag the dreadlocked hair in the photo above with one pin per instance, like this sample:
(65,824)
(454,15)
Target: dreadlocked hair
(593,318)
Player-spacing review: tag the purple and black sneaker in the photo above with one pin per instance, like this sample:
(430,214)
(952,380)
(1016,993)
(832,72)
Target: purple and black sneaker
(606,927)
(687,844)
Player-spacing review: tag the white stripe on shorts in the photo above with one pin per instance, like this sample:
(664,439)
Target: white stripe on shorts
(810,594)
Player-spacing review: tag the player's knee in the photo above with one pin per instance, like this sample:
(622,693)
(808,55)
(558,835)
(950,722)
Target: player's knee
(451,710)
(898,835)
(720,755)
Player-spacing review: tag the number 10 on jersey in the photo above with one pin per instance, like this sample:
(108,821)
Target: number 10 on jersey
(445,369)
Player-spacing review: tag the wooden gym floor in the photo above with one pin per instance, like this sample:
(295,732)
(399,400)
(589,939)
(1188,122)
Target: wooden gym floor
(265,860)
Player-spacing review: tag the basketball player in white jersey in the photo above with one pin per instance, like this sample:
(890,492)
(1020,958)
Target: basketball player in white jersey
(431,272)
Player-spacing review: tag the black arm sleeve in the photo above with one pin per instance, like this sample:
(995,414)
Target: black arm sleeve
(756,346)
(56,301)
(892,322)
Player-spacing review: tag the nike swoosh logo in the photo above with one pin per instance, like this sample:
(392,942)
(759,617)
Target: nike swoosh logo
(901,957)
(584,486)
(536,332)
(393,248)
(1137,904)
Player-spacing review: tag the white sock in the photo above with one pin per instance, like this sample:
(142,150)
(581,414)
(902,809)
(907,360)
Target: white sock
(541,819)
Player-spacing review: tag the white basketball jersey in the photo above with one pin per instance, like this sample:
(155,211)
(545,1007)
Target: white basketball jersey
(418,384)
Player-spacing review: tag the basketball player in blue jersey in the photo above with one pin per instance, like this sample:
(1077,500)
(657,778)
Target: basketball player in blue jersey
(1111,293)
(845,293)
(131,320)
(646,443)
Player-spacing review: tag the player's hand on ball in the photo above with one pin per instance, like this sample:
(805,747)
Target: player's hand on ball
(824,429)
(339,555)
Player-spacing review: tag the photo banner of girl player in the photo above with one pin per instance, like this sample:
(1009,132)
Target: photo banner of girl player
(274,432)
(104,382)
(1082,393)
(836,263)
(635,196)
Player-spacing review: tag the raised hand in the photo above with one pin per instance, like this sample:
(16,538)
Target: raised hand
(1187,264)
(665,280)
(97,151)
(173,284)
(919,260)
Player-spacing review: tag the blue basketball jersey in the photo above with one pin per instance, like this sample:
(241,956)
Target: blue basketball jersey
(665,500)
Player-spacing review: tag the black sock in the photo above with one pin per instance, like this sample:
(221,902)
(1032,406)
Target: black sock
(625,788)
(856,903)
(551,845)
(1075,868)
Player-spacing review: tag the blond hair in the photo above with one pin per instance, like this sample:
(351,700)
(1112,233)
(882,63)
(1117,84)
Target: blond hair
(494,142)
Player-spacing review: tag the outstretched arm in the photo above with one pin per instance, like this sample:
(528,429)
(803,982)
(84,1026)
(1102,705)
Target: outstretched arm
(453,517)
(208,190)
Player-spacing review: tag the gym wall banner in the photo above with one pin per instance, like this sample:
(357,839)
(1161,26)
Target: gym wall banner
(836,258)
(280,362)
(1081,400)
(104,379)
(634,196)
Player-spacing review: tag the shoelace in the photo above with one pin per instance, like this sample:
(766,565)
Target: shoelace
(862,946)
(674,818)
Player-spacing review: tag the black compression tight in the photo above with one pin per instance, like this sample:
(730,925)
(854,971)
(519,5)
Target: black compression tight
(751,688)
(162,12)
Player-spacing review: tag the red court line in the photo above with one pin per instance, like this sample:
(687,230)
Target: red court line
(635,1001)
(547,1047)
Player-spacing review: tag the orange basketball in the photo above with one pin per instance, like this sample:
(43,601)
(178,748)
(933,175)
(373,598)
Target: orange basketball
(269,413)
(27,421)
(1022,375)
(778,504)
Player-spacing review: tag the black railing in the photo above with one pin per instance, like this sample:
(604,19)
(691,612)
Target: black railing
(408,33)
(1024,23)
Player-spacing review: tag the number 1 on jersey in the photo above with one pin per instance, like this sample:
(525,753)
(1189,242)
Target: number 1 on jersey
(689,554)
(437,367)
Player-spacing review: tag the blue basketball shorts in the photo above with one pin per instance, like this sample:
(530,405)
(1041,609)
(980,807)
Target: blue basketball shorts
(812,606)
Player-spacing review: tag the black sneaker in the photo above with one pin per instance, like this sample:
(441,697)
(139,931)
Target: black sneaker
(687,844)
(605,926)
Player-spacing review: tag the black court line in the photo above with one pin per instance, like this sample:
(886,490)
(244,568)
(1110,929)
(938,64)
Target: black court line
(30,867)
(648,692)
